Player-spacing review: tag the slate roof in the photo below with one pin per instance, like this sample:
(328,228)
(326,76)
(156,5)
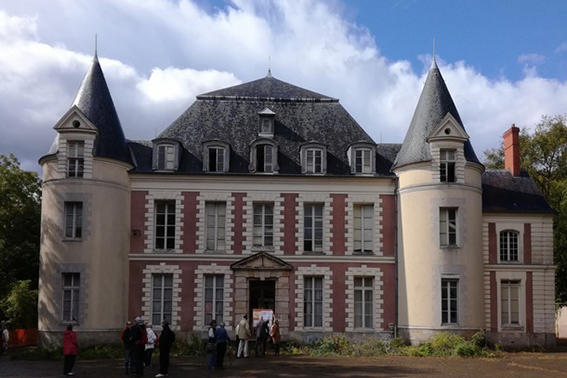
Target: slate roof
(433,105)
(95,101)
(504,193)
(231,115)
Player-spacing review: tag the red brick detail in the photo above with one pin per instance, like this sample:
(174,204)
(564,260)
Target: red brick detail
(137,221)
(529,303)
(135,288)
(388,222)
(493,303)
(292,306)
(338,225)
(190,222)
(388,295)
(338,321)
(289,229)
(238,228)
(512,150)
(187,313)
(527,243)
(492,243)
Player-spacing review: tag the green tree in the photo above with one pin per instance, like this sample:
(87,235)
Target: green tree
(544,154)
(20,217)
(20,306)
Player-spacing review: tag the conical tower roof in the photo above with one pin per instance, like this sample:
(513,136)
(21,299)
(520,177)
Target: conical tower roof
(95,101)
(434,104)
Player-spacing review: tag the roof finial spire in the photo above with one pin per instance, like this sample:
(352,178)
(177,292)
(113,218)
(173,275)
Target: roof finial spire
(269,66)
(95,47)
(434,63)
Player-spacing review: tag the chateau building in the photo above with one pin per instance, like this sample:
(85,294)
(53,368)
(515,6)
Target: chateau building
(267,195)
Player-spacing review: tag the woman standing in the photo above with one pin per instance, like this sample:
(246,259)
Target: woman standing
(70,350)
(276,336)
(150,344)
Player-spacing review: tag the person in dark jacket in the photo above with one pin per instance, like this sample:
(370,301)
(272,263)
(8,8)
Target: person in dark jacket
(70,350)
(222,341)
(166,340)
(212,344)
(126,337)
(262,334)
(140,339)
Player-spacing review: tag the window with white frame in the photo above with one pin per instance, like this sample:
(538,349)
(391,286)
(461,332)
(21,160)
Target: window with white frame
(313,302)
(73,220)
(510,302)
(166,156)
(265,158)
(313,228)
(263,233)
(448,227)
(363,302)
(363,228)
(447,165)
(217,159)
(214,298)
(71,291)
(266,126)
(216,225)
(449,300)
(164,224)
(363,160)
(75,158)
(509,248)
(314,160)
(162,297)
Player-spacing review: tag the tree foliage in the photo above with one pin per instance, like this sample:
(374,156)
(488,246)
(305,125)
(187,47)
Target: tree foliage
(20,306)
(20,212)
(544,154)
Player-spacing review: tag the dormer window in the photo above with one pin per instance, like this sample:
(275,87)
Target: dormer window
(216,156)
(267,118)
(263,156)
(362,158)
(447,165)
(75,158)
(166,155)
(313,158)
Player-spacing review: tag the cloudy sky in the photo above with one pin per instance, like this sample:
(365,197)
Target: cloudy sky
(504,62)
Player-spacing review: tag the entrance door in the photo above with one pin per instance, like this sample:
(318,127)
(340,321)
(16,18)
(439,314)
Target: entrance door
(262,295)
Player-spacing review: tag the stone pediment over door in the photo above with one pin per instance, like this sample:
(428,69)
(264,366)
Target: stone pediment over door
(261,261)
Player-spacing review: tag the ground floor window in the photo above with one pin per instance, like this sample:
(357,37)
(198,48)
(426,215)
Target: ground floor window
(162,297)
(214,298)
(363,302)
(313,302)
(510,302)
(449,301)
(71,292)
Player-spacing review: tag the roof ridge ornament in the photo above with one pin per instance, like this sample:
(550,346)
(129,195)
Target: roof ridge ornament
(434,63)
(269,66)
(95,58)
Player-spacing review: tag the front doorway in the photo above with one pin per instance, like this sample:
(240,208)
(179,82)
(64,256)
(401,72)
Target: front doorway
(262,295)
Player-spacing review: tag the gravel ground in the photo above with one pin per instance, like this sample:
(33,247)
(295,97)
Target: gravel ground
(517,365)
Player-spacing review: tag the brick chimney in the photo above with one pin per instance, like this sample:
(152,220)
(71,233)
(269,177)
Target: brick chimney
(512,150)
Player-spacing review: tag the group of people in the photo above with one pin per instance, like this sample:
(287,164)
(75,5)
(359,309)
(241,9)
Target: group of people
(218,340)
(140,340)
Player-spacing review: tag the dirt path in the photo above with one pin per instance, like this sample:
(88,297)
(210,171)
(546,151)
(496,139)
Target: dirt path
(511,365)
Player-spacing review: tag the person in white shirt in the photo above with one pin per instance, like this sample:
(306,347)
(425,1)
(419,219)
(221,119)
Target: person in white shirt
(150,345)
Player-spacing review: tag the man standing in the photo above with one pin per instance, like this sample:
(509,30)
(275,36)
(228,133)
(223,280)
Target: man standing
(243,335)
(140,338)
(126,337)
(262,333)
(166,340)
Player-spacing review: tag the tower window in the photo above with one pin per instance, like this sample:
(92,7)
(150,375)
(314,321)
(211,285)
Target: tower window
(75,158)
(447,165)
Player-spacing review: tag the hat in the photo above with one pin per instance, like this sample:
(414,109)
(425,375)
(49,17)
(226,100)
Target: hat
(138,320)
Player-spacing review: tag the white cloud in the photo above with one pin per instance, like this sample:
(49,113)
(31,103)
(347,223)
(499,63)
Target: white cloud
(561,48)
(158,54)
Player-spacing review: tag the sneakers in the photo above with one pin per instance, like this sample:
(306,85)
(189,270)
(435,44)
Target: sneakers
(160,375)
(71,373)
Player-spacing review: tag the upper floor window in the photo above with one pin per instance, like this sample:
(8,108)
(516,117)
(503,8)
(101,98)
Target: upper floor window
(448,226)
(216,159)
(363,228)
(166,157)
(266,118)
(263,156)
(71,290)
(449,301)
(447,165)
(164,224)
(216,225)
(75,158)
(73,220)
(362,158)
(509,251)
(216,156)
(263,225)
(313,158)
(313,228)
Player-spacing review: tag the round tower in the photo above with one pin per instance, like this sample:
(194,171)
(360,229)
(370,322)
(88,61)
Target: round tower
(440,258)
(85,220)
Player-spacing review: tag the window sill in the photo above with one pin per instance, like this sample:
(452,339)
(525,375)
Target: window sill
(215,251)
(365,253)
(512,328)
(364,330)
(258,248)
(450,247)
(318,253)
(450,325)
(72,240)
(510,262)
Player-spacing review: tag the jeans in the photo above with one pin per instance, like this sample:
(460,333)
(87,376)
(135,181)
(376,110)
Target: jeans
(128,360)
(243,346)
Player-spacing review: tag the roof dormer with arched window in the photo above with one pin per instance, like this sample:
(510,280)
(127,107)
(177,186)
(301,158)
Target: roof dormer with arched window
(362,158)
(165,154)
(313,157)
(216,156)
(264,156)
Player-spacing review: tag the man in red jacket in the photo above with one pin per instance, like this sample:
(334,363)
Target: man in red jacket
(70,350)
